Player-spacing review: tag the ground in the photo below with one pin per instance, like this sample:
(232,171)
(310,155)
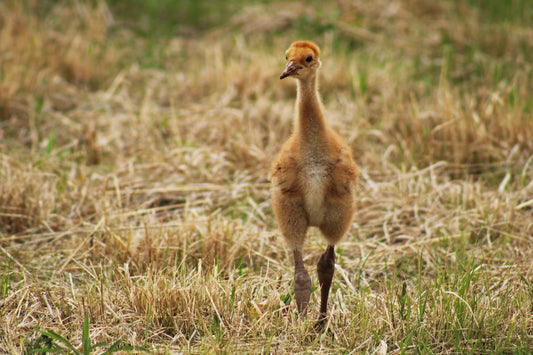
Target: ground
(135,141)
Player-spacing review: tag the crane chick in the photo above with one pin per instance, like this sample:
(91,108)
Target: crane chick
(313,179)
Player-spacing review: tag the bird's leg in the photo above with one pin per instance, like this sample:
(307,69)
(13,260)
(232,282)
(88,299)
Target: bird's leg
(325,269)
(302,283)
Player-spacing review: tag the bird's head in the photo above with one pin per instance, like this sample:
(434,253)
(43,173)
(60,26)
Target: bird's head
(302,60)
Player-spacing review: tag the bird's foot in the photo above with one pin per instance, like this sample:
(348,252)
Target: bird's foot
(320,327)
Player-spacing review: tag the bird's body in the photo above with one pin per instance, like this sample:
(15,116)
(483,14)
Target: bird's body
(313,178)
(320,179)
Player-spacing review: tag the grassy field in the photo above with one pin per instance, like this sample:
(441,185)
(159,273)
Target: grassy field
(135,140)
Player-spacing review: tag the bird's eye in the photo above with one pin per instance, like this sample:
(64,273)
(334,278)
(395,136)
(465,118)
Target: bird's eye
(286,58)
(308,59)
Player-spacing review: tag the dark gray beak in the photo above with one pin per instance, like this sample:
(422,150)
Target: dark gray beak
(291,69)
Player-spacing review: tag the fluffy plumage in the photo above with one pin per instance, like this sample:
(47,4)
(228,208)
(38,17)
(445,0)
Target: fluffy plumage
(313,178)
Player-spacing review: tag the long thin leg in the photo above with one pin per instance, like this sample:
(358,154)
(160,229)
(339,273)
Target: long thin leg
(325,269)
(302,283)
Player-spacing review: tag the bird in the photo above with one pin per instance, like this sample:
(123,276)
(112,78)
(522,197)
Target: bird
(313,179)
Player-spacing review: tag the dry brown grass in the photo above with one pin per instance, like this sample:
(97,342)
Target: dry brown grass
(133,184)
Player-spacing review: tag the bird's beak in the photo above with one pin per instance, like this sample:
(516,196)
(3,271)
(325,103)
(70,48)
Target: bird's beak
(291,69)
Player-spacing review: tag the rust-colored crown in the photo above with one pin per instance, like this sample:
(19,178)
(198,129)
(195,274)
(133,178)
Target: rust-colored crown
(307,44)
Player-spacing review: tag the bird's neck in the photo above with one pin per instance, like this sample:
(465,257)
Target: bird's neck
(310,122)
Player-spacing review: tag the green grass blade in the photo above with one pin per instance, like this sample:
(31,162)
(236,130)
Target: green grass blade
(113,348)
(116,347)
(62,340)
(86,341)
